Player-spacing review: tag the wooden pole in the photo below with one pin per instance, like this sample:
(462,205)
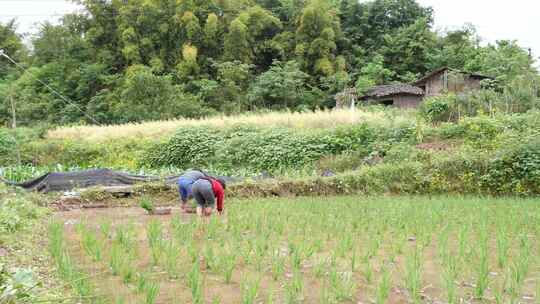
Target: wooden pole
(13,113)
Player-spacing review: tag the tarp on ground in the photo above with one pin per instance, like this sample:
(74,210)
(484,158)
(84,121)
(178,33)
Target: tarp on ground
(66,181)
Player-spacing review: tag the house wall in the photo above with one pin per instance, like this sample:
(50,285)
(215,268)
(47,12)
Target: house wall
(401,100)
(444,81)
(435,85)
(407,101)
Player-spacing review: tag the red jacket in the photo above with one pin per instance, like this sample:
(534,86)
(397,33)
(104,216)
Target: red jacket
(219,193)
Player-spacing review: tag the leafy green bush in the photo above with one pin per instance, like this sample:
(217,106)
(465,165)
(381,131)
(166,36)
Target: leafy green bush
(189,147)
(437,108)
(271,149)
(516,167)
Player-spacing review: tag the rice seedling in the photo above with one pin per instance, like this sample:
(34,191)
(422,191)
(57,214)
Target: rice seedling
(249,289)
(154,234)
(125,238)
(172,253)
(127,271)
(503,245)
(56,239)
(105,228)
(498,293)
(482,275)
(462,242)
(449,276)
(294,289)
(209,257)
(519,267)
(140,282)
(151,292)
(228,263)
(368,272)
(278,265)
(413,274)
(116,258)
(383,288)
(345,245)
(341,284)
(91,244)
(296,258)
(195,282)
(270,295)
(353,260)
(147,203)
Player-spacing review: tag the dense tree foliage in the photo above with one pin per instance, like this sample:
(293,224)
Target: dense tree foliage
(125,61)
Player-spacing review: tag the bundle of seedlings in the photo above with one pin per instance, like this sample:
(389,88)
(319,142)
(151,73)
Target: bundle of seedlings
(147,204)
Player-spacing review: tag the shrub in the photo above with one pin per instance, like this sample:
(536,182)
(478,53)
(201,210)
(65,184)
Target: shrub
(437,108)
(516,167)
(271,149)
(189,147)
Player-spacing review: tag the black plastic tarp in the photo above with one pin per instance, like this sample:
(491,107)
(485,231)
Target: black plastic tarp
(66,181)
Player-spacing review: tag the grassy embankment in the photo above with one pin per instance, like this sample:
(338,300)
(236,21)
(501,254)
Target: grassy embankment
(370,150)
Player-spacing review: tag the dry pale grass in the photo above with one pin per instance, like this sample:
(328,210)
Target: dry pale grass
(159,129)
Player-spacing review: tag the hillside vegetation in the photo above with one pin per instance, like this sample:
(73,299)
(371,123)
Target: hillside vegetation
(142,60)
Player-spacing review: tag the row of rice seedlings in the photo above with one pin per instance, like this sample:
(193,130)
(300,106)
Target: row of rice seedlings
(91,243)
(482,275)
(66,268)
(227,262)
(154,234)
(449,276)
(413,274)
(502,247)
(172,254)
(519,268)
(195,283)
(383,288)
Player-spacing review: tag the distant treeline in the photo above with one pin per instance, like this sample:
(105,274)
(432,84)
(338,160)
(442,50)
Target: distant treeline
(126,61)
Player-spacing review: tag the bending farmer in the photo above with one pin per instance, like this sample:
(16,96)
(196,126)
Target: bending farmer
(185,183)
(206,191)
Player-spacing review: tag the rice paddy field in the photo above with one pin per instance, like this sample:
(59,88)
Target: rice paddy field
(387,249)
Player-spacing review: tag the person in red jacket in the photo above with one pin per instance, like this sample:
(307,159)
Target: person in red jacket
(206,191)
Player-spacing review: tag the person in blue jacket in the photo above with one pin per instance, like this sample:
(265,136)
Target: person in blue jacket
(185,183)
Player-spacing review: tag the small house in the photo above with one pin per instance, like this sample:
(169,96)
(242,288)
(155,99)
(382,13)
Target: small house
(449,80)
(400,95)
(405,95)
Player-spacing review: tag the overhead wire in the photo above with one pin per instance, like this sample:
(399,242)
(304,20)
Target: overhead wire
(65,99)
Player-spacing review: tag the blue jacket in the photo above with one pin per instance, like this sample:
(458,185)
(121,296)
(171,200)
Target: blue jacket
(186,180)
